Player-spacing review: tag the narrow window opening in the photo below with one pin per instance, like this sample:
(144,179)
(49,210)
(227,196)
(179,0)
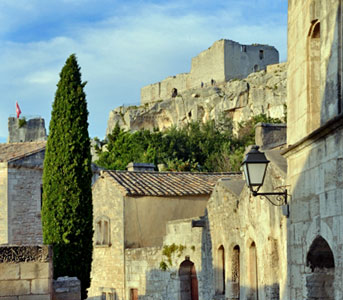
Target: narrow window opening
(220,290)
(102,231)
(236,272)
(314,76)
(261,55)
(243,48)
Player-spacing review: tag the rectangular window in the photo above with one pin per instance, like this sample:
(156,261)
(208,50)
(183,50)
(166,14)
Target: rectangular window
(261,54)
(105,233)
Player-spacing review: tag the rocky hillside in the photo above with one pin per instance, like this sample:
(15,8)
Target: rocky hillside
(261,92)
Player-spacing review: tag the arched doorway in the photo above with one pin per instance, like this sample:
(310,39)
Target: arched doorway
(188,281)
(252,273)
(319,282)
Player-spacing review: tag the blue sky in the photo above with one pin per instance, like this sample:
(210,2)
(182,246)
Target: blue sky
(121,46)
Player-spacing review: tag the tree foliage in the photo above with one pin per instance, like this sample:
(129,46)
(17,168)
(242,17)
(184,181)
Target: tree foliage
(198,146)
(67,197)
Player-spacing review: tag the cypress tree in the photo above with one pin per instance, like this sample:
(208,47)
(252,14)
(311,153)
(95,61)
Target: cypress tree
(67,210)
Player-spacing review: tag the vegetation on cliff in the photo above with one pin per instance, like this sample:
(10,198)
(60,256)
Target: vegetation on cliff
(209,147)
(67,196)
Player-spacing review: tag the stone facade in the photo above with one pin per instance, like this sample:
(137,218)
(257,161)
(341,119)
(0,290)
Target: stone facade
(248,238)
(20,192)
(231,245)
(131,226)
(260,92)
(314,153)
(223,61)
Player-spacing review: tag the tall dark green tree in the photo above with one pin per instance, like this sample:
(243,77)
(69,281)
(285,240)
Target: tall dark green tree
(67,196)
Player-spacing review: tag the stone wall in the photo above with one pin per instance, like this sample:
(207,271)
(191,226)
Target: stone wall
(146,217)
(143,271)
(260,92)
(24,179)
(223,61)
(33,130)
(315,177)
(249,241)
(25,273)
(314,154)
(3,203)
(107,274)
(241,60)
(309,110)
(20,201)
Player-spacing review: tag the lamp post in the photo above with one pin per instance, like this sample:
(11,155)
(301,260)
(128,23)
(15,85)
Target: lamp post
(255,166)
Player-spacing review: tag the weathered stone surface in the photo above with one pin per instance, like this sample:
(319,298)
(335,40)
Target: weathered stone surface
(9,271)
(14,287)
(260,92)
(33,130)
(35,270)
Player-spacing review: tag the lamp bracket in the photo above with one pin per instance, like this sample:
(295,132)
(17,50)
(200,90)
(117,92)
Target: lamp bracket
(281,197)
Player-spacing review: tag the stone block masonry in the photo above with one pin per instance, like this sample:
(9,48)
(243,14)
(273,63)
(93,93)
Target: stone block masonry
(223,61)
(33,130)
(25,273)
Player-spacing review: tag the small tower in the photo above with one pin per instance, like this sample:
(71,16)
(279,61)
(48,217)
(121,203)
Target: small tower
(22,130)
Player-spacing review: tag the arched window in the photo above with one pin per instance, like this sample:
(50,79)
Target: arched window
(235,272)
(102,231)
(313,77)
(220,282)
(252,273)
(321,261)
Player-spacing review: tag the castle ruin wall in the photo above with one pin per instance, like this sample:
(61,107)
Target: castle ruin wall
(223,61)
(242,60)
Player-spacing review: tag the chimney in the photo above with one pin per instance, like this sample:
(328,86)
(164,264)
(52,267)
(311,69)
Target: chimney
(269,136)
(140,167)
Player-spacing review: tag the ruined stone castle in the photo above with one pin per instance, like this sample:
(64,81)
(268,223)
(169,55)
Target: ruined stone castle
(223,61)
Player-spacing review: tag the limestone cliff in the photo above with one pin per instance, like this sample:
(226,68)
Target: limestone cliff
(260,92)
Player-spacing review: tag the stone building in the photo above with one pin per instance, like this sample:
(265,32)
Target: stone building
(190,236)
(136,214)
(315,147)
(223,61)
(248,234)
(21,169)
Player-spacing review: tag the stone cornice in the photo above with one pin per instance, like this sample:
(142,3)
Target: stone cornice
(315,135)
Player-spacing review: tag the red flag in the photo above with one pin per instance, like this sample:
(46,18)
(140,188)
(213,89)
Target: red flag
(17,109)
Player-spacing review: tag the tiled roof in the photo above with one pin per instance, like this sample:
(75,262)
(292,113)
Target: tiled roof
(13,151)
(166,183)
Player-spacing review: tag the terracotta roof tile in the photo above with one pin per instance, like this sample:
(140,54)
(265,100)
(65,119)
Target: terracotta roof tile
(13,151)
(166,183)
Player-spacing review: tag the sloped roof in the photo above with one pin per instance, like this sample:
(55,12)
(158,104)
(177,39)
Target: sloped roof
(166,183)
(13,151)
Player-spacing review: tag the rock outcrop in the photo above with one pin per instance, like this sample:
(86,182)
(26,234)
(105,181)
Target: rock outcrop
(261,92)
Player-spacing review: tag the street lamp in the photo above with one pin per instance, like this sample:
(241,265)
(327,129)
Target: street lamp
(255,166)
